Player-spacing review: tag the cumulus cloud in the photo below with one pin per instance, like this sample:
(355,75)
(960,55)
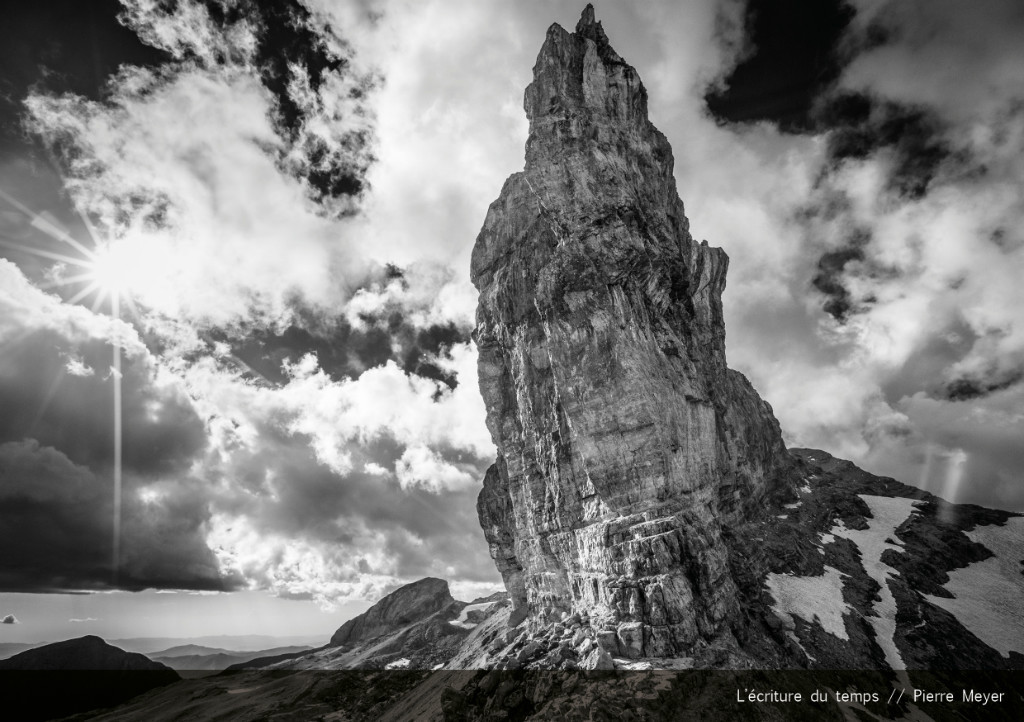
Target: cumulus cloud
(211,230)
(924,223)
(341,489)
(208,176)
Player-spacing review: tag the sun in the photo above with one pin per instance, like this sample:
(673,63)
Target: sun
(108,271)
(111,270)
(105,273)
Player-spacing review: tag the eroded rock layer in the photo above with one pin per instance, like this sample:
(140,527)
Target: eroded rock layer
(624,441)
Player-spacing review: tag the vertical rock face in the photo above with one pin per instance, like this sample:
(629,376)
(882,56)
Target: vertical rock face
(624,441)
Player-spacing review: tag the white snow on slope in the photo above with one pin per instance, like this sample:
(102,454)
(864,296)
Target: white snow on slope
(812,599)
(463,618)
(988,593)
(887,514)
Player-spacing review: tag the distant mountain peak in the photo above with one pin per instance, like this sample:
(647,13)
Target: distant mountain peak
(406,604)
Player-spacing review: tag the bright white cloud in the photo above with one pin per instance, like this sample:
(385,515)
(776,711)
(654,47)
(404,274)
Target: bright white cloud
(420,466)
(216,233)
(299,568)
(336,415)
(25,309)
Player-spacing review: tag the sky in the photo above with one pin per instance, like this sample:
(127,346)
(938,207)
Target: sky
(249,223)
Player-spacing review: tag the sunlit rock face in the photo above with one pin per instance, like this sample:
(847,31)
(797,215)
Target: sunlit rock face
(624,442)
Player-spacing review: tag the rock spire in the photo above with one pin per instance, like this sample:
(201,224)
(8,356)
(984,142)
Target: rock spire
(624,441)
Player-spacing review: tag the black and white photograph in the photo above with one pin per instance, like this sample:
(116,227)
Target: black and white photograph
(481,360)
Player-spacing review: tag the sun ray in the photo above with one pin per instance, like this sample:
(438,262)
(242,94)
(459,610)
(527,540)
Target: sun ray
(116,312)
(46,254)
(83,293)
(69,280)
(89,227)
(101,296)
(11,342)
(41,223)
(129,303)
(47,399)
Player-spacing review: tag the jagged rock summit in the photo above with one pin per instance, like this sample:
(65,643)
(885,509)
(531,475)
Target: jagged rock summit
(624,441)
(403,606)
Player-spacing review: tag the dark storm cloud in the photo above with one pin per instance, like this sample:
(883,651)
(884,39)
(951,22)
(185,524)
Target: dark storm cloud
(43,45)
(56,529)
(41,400)
(859,127)
(794,58)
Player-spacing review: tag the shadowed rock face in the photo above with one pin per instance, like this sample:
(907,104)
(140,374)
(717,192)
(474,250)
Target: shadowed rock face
(624,441)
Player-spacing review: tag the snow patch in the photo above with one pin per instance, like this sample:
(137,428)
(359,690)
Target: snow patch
(402,663)
(887,514)
(463,618)
(794,505)
(812,599)
(988,593)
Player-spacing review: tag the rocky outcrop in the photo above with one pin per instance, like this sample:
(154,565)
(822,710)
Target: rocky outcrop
(405,605)
(624,441)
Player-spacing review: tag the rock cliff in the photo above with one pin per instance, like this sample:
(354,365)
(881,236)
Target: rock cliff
(624,441)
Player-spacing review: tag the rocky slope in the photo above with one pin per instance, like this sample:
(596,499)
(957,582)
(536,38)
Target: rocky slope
(624,441)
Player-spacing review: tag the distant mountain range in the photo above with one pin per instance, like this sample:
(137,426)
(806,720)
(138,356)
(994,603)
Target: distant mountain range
(194,658)
(238,644)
